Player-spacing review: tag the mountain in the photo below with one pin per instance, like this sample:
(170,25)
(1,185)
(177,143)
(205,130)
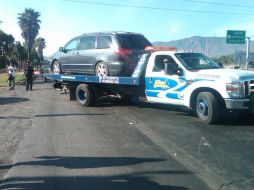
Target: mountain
(217,46)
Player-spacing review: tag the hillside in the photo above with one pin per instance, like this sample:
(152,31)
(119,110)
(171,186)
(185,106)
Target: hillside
(217,46)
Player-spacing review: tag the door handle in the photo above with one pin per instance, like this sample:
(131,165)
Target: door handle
(150,79)
(75,53)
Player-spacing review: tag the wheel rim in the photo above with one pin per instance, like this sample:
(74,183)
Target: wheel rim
(101,70)
(203,108)
(56,68)
(82,95)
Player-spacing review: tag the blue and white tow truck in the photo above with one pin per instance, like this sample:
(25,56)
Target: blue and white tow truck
(167,76)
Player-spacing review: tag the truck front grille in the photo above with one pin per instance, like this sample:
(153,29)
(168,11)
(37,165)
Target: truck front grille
(249,87)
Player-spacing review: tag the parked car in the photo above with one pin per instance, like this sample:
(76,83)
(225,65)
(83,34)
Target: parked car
(101,54)
(45,69)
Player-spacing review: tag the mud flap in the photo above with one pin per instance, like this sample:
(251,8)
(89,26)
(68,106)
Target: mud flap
(73,93)
(252,104)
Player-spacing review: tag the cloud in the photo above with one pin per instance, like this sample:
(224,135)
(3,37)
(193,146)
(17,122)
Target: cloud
(248,27)
(174,29)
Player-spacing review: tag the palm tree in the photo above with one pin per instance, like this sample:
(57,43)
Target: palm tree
(29,24)
(40,44)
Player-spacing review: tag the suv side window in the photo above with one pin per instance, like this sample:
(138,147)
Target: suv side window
(71,45)
(87,42)
(104,42)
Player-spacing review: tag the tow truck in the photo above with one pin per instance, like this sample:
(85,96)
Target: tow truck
(167,76)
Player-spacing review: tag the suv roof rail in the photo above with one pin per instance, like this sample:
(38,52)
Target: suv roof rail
(111,32)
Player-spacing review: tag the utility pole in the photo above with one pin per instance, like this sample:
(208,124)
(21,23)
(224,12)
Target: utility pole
(206,48)
(247,52)
(192,41)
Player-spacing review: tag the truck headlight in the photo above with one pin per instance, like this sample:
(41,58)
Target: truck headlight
(235,90)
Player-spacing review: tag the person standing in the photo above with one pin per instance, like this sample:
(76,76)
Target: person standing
(29,73)
(11,76)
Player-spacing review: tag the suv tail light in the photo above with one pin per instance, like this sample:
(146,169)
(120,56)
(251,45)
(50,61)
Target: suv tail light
(123,51)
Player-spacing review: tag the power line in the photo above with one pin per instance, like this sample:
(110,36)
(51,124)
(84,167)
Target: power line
(158,8)
(220,4)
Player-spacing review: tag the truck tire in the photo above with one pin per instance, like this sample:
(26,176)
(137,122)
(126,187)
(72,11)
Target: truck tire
(84,95)
(207,107)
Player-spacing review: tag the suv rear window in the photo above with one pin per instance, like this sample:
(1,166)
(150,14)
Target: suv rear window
(131,41)
(104,42)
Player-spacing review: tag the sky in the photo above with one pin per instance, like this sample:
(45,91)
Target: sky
(158,20)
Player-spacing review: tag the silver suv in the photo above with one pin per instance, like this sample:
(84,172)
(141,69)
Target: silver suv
(101,54)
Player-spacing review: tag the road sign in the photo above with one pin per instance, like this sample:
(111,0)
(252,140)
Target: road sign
(236,37)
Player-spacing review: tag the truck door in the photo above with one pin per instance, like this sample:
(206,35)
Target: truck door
(164,86)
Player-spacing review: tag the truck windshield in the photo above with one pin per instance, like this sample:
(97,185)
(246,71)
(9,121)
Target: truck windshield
(196,61)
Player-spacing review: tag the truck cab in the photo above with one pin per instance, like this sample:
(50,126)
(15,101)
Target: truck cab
(195,81)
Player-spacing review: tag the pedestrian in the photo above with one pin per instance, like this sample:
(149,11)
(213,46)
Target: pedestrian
(29,74)
(11,76)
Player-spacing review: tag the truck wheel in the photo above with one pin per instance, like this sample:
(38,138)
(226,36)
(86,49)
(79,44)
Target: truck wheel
(101,69)
(207,107)
(84,95)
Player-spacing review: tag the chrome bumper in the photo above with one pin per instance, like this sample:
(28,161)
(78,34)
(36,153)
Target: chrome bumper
(240,104)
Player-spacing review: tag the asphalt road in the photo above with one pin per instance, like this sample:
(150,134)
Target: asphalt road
(137,146)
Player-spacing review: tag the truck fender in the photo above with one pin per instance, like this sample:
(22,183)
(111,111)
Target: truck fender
(194,94)
(191,92)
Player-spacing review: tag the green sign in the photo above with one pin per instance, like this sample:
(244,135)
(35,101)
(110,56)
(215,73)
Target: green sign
(236,37)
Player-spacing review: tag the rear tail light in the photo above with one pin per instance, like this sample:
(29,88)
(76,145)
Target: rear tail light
(123,51)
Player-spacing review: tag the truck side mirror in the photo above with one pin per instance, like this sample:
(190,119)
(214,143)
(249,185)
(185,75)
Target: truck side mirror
(179,71)
(220,64)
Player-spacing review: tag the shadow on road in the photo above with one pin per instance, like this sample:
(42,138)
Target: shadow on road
(70,114)
(238,119)
(134,181)
(12,100)
(83,162)
(14,117)
(120,182)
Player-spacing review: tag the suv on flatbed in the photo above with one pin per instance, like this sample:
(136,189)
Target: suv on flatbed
(100,54)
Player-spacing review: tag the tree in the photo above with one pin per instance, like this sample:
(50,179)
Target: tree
(18,54)
(40,44)
(224,59)
(5,43)
(29,25)
(35,57)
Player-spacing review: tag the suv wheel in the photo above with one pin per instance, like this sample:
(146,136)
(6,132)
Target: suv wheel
(101,69)
(56,67)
